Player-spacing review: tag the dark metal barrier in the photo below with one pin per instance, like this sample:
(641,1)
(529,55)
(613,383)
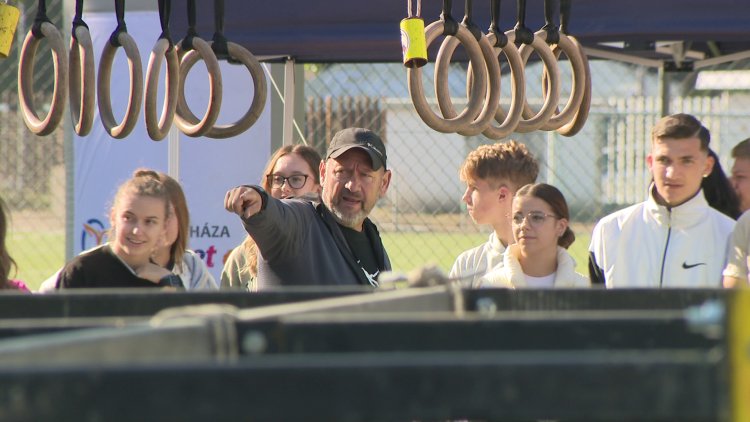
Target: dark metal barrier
(438,353)
(147,302)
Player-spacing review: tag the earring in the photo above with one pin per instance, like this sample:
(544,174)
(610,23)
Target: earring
(705,175)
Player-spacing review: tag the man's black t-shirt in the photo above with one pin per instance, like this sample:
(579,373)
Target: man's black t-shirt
(361,246)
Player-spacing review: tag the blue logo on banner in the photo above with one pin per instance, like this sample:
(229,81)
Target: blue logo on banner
(93,234)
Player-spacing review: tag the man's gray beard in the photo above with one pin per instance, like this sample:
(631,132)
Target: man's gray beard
(353,222)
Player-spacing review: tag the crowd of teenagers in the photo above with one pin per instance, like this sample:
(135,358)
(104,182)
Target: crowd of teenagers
(308,223)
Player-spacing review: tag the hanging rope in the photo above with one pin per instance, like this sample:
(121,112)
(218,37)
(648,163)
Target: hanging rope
(235,53)
(82,76)
(508,121)
(42,28)
(536,41)
(120,38)
(491,66)
(158,126)
(552,36)
(448,26)
(579,120)
(192,48)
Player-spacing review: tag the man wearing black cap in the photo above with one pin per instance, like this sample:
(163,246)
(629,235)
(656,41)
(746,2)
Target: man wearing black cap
(303,242)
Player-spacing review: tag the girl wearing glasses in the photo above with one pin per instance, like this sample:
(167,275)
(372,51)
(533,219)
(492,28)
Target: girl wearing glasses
(539,258)
(291,172)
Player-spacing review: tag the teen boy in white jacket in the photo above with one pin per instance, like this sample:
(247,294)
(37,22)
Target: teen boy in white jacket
(673,239)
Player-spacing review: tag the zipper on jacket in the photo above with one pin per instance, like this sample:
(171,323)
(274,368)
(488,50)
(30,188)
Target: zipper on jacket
(666,247)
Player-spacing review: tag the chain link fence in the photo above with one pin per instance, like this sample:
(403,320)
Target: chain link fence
(32,168)
(422,219)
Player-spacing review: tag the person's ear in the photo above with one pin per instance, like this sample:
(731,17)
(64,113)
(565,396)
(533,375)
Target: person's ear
(709,166)
(322,171)
(386,182)
(562,225)
(503,193)
(649,161)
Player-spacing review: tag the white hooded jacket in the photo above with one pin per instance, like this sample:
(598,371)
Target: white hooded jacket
(650,245)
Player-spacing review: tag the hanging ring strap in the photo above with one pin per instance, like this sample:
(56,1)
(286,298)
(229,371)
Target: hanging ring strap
(508,121)
(419,9)
(120,38)
(235,53)
(194,45)
(521,34)
(573,52)
(158,126)
(579,120)
(260,90)
(474,51)
(42,28)
(82,76)
(491,92)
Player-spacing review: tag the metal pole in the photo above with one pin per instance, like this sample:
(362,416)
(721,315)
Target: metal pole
(289,87)
(664,93)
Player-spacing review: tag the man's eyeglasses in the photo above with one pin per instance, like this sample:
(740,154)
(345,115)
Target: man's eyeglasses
(295,181)
(535,218)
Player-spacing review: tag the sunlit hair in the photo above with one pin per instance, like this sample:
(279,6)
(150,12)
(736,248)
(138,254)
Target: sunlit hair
(742,149)
(181,213)
(555,199)
(6,261)
(312,158)
(144,182)
(681,126)
(507,161)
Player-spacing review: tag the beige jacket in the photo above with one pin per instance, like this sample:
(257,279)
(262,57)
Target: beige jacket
(511,275)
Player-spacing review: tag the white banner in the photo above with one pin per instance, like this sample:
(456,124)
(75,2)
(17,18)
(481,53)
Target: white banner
(207,167)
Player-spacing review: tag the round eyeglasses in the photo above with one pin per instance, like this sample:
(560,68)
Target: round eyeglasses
(295,181)
(535,218)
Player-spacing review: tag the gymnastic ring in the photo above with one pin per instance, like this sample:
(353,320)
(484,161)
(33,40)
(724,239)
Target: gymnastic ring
(47,125)
(492,95)
(508,121)
(535,122)
(260,88)
(557,120)
(194,127)
(579,120)
(158,127)
(123,129)
(416,90)
(82,81)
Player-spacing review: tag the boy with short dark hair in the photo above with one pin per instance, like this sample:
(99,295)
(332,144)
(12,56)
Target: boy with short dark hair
(674,238)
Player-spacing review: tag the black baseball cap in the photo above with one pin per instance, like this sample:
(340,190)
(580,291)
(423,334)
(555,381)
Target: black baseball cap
(357,137)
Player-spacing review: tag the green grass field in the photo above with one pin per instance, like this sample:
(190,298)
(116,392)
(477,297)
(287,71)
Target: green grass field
(39,255)
(413,250)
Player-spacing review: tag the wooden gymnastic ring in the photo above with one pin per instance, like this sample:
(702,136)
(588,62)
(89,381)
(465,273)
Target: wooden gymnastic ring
(194,127)
(158,127)
(82,81)
(260,88)
(123,129)
(47,125)
(535,122)
(573,52)
(416,90)
(579,120)
(492,94)
(508,121)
